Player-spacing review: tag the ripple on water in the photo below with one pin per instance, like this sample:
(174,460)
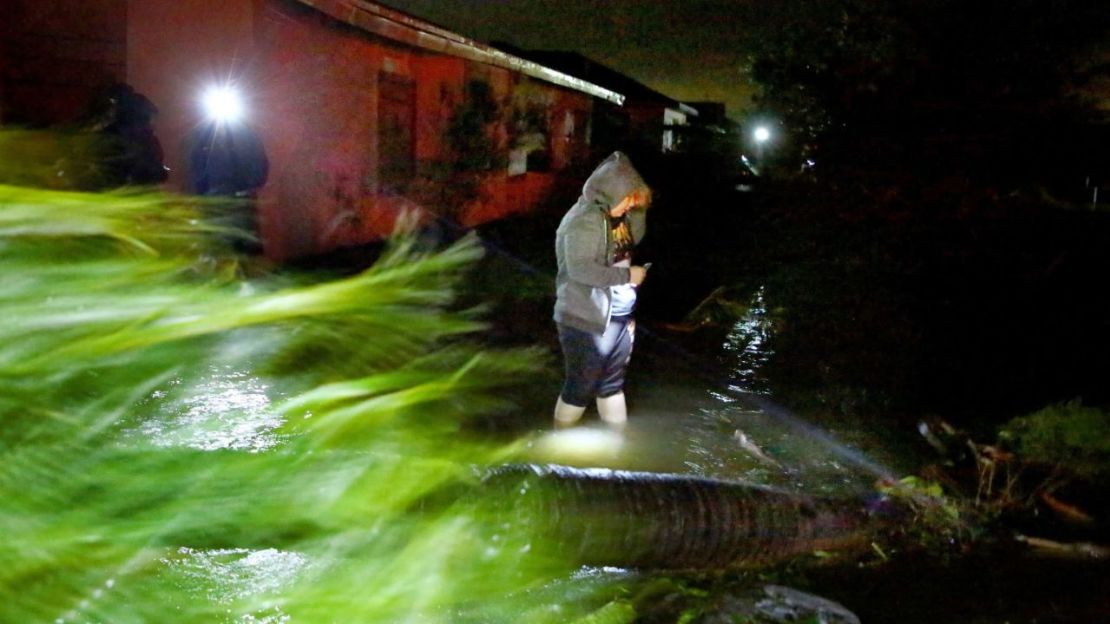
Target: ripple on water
(749,341)
(225,576)
(226,409)
(683,431)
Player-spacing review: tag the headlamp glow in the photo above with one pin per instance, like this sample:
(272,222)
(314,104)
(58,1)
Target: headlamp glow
(223,104)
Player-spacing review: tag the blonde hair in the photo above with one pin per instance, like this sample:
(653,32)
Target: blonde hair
(641,197)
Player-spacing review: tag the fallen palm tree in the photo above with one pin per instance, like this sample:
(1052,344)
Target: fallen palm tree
(667,521)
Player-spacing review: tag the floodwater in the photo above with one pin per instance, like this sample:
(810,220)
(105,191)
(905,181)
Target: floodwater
(799,350)
(684,420)
(796,379)
(228,410)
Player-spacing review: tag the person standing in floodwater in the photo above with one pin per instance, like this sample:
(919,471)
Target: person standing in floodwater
(595,289)
(227,159)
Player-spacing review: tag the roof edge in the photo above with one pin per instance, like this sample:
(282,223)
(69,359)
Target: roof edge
(393,24)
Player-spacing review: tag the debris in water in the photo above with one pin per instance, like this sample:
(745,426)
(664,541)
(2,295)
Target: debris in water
(748,445)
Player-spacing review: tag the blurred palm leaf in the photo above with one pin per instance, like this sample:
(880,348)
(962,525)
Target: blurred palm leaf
(178,444)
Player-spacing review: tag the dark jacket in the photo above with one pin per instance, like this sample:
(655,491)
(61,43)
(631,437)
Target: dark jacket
(227,160)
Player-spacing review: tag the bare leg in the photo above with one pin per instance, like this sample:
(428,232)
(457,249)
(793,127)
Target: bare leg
(566,415)
(612,410)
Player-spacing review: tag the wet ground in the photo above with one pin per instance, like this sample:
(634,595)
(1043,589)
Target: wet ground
(790,349)
(799,346)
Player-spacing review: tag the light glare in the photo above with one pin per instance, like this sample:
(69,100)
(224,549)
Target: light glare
(579,446)
(762,134)
(223,104)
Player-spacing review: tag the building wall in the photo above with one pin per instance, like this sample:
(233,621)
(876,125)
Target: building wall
(324,137)
(319,124)
(566,146)
(55,55)
(314,89)
(570,124)
(178,48)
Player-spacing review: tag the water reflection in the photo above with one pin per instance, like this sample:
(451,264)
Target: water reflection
(679,430)
(579,446)
(226,409)
(682,427)
(79,613)
(730,430)
(749,341)
(227,576)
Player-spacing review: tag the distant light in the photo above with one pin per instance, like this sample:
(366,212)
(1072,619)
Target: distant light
(223,104)
(762,134)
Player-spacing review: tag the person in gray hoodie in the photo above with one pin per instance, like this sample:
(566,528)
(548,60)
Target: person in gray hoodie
(595,289)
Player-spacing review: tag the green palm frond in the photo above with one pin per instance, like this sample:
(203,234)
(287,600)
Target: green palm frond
(178,444)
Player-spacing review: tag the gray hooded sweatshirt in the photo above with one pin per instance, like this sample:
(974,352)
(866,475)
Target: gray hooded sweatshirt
(584,251)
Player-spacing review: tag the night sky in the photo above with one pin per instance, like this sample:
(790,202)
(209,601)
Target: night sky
(687,50)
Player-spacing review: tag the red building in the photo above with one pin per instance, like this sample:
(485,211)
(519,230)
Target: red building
(363,111)
(645,117)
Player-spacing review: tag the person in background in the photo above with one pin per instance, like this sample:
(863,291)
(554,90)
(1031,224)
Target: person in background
(595,289)
(133,155)
(227,159)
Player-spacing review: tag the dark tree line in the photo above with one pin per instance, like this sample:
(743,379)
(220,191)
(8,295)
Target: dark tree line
(994,93)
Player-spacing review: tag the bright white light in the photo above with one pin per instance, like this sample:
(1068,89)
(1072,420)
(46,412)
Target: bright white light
(762,134)
(223,104)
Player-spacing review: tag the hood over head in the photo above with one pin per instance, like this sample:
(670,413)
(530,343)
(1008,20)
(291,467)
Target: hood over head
(612,181)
